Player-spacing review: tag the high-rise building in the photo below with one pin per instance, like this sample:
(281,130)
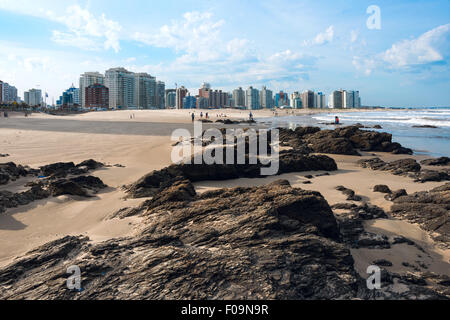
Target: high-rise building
(296,100)
(97,96)
(205,92)
(252,99)
(171,98)
(336,99)
(239,98)
(266,98)
(8,93)
(348,99)
(181,93)
(121,84)
(202,103)
(33,97)
(356,99)
(145,90)
(70,97)
(87,79)
(160,94)
(308,99)
(189,102)
(321,100)
(281,99)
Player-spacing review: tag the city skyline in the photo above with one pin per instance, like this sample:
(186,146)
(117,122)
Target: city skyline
(284,45)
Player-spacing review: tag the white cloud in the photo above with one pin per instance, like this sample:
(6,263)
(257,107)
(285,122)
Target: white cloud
(354,36)
(85,30)
(324,37)
(427,48)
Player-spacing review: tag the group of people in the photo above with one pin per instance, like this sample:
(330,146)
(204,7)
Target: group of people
(201,116)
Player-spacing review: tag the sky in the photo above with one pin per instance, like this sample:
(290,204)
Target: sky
(396,53)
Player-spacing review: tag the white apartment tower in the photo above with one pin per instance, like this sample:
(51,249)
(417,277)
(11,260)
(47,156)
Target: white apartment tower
(87,79)
(121,84)
(266,98)
(145,90)
(252,99)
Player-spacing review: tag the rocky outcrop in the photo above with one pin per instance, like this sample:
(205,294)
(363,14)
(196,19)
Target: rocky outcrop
(443,161)
(10,172)
(63,169)
(269,242)
(289,161)
(346,140)
(351,195)
(382,188)
(13,200)
(430,210)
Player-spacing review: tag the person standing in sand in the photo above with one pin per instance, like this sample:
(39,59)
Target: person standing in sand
(193,116)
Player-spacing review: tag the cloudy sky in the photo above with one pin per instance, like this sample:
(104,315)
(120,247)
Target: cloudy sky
(289,45)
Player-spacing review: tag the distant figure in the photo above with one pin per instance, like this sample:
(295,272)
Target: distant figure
(251,116)
(193,116)
(206,115)
(336,120)
(201,115)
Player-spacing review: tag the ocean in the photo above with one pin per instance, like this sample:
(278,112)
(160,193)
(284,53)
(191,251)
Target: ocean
(434,142)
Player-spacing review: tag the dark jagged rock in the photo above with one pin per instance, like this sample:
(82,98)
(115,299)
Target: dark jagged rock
(430,210)
(91,164)
(13,200)
(159,180)
(4,155)
(10,171)
(398,167)
(383,263)
(396,194)
(432,175)
(269,242)
(351,196)
(58,169)
(77,186)
(346,140)
(377,126)
(443,161)
(352,229)
(382,188)
(426,127)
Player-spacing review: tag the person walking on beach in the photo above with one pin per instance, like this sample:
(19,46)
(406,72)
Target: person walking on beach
(206,115)
(193,116)
(251,116)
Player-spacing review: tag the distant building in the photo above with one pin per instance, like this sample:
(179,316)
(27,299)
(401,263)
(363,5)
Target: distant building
(308,99)
(189,102)
(181,93)
(252,99)
(336,100)
(97,96)
(8,93)
(33,97)
(171,98)
(145,90)
(266,98)
(281,99)
(87,79)
(121,84)
(160,95)
(239,98)
(321,100)
(296,100)
(202,103)
(70,97)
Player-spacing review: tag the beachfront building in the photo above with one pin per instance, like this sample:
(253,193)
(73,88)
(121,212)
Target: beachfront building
(252,99)
(189,102)
(33,97)
(181,94)
(171,98)
(87,79)
(70,97)
(160,95)
(239,98)
(145,90)
(281,99)
(335,101)
(295,100)
(8,93)
(308,99)
(202,103)
(121,84)
(97,96)
(266,98)
(320,100)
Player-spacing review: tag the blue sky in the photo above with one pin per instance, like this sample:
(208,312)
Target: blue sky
(286,45)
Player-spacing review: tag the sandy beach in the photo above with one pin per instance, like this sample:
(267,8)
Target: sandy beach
(142,144)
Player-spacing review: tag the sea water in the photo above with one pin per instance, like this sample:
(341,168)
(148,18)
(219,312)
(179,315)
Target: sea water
(399,122)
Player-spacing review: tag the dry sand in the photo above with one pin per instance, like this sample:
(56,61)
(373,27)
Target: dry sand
(143,144)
